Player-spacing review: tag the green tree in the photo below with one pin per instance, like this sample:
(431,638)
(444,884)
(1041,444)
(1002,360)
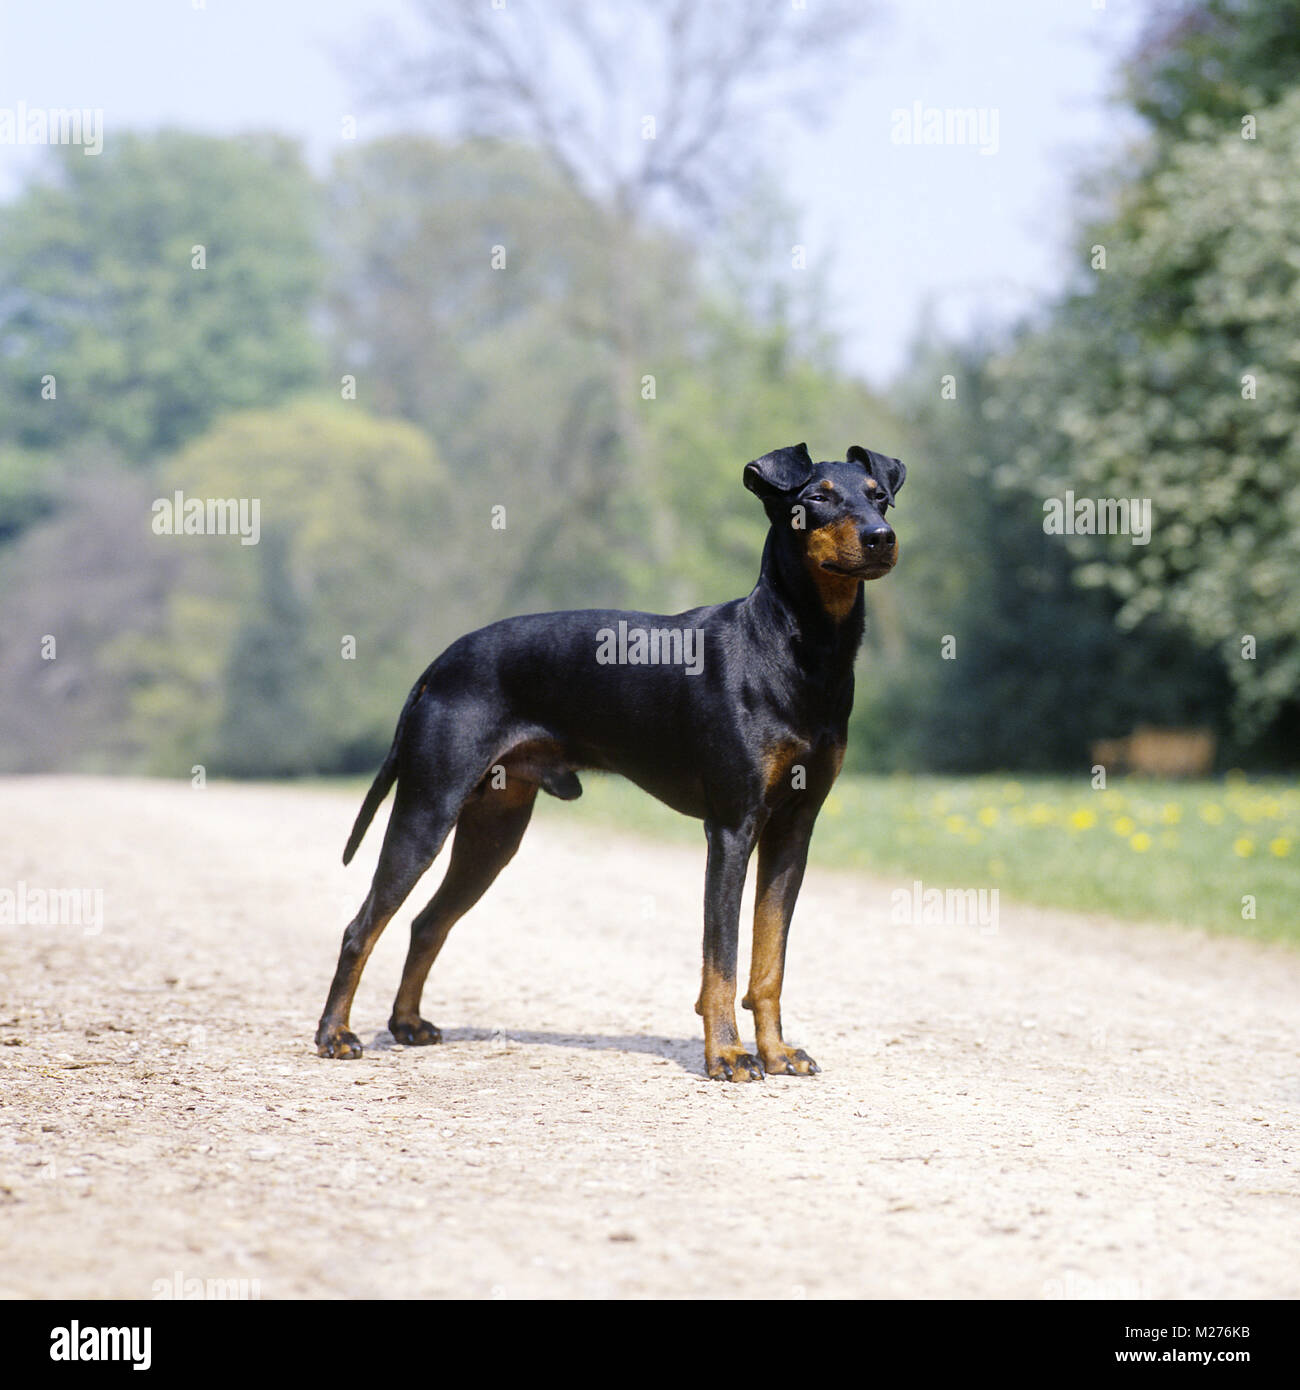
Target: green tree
(1176,378)
(557,77)
(1214,58)
(504,361)
(296,662)
(266,729)
(740,387)
(468,299)
(1004,660)
(102,291)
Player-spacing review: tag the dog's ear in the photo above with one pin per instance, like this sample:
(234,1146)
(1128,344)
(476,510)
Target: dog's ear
(782,470)
(887,471)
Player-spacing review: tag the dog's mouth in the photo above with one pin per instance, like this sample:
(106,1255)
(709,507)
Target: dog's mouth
(874,569)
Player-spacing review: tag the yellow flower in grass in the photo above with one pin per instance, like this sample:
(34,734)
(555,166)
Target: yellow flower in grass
(1171,813)
(1281,847)
(988,815)
(955,824)
(1125,826)
(1243,847)
(1140,842)
(1040,813)
(1083,819)
(1212,813)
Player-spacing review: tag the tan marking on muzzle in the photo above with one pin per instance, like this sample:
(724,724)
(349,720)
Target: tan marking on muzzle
(835,544)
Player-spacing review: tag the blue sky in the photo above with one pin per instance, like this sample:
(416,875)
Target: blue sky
(901,229)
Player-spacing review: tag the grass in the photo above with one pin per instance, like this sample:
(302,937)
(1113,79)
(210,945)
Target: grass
(1180,852)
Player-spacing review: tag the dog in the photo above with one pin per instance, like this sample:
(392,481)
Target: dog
(736,714)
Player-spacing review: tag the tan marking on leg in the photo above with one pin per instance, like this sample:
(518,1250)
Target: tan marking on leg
(779,874)
(766,973)
(766,976)
(333,1035)
(516,792)
(724,1057)
(488,832)
(777,759)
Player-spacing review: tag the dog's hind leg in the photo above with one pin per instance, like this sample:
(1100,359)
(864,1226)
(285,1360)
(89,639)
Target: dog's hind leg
(415,834)
(488,833)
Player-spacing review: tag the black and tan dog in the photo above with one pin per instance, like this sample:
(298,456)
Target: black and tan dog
(735,713)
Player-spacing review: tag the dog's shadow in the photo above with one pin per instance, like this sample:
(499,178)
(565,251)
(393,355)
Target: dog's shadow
(684,1052)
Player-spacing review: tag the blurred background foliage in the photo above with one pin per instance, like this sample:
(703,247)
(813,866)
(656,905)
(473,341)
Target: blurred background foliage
(484,374)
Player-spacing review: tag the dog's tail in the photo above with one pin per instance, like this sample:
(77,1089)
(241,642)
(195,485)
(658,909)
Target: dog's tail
(385,777)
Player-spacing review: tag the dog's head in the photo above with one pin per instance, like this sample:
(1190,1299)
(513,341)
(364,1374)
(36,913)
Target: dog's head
(836,511)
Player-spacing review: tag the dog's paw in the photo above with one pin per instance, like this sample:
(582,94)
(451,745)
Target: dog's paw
(337,1042)
(417,1034)
(789,1061)
(734,1065)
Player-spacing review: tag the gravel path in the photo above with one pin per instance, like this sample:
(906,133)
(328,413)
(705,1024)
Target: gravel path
(1063,1107)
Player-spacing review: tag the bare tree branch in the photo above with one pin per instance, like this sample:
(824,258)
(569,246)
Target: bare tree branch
(562,73)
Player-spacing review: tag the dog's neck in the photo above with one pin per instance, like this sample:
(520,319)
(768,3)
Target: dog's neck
(824,644)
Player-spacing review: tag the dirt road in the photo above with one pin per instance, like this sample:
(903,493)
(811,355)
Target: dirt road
(1058,1108)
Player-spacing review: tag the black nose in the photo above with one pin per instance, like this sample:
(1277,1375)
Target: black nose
(877,540)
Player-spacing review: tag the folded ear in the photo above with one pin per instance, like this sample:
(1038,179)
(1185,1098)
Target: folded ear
(782,470)
(889,472)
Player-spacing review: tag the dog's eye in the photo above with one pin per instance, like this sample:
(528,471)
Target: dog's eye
(817,497)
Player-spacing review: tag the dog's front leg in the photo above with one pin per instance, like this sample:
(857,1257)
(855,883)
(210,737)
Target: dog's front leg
(782,855)
(724,882)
